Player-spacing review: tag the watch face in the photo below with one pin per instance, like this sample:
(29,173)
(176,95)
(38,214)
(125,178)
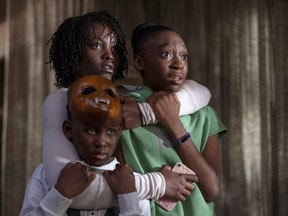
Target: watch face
(181,140)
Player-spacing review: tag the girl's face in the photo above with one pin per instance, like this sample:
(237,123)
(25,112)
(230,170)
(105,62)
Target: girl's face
(101,57)
(163,62)
(94,144)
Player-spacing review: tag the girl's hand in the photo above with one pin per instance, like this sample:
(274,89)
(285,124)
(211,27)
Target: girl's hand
(178,186)
(166,107)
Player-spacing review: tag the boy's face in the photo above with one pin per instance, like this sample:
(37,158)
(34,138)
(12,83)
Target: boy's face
(94,124)
(94,144)
(163,61)
(100,57)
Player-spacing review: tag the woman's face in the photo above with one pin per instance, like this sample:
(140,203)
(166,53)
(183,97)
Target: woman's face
(101,57)
(164,62)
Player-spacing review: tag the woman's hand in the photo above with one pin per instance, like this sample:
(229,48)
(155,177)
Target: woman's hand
(131,115)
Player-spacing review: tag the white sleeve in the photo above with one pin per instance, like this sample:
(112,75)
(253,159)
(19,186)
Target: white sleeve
(39,200)
(99,195)
(129,204)
(192,97)
(150,185)
(57,149)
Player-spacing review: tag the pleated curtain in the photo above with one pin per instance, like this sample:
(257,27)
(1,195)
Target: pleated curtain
(238,49)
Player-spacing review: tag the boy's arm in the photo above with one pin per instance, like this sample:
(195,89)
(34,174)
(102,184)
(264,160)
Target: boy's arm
(166,183)
(51,204)
(129,204)
(151,185)
(40,200)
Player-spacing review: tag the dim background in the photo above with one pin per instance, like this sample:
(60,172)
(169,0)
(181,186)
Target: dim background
(237,48)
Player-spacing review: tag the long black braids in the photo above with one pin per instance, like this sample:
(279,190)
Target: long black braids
(71,39)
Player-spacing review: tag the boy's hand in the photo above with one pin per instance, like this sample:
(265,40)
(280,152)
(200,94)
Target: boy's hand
(131,115)
(178,186)
(121,180)
(73,179)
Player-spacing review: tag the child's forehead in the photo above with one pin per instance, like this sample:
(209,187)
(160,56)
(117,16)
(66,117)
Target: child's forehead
(163,39)
(162,33)
(99,124)
(153,35)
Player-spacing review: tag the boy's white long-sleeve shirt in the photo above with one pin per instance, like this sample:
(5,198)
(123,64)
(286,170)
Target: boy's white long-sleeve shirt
(40,199)
(55,112)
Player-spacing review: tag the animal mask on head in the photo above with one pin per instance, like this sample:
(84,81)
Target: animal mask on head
(94,99)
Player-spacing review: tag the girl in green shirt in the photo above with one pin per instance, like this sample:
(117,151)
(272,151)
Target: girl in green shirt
(161,57)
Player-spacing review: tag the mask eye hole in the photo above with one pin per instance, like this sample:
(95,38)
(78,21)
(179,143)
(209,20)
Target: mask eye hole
(110,92)
(88,90)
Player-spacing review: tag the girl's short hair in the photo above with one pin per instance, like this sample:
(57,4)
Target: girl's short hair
(144,32)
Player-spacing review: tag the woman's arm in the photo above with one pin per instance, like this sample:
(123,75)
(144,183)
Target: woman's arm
(40,200)
(57,149)
(192,97)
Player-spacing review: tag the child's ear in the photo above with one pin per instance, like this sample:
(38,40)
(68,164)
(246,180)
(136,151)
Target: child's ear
(138,63)
(67,130)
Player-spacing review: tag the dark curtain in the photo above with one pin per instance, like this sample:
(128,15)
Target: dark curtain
(238,49)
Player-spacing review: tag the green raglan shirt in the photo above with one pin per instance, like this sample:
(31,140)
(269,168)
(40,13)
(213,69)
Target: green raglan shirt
(148,148)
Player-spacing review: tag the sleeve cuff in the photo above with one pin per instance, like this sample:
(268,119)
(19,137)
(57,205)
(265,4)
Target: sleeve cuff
(150,185)
(55,203)
(148,116)
(129,204)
